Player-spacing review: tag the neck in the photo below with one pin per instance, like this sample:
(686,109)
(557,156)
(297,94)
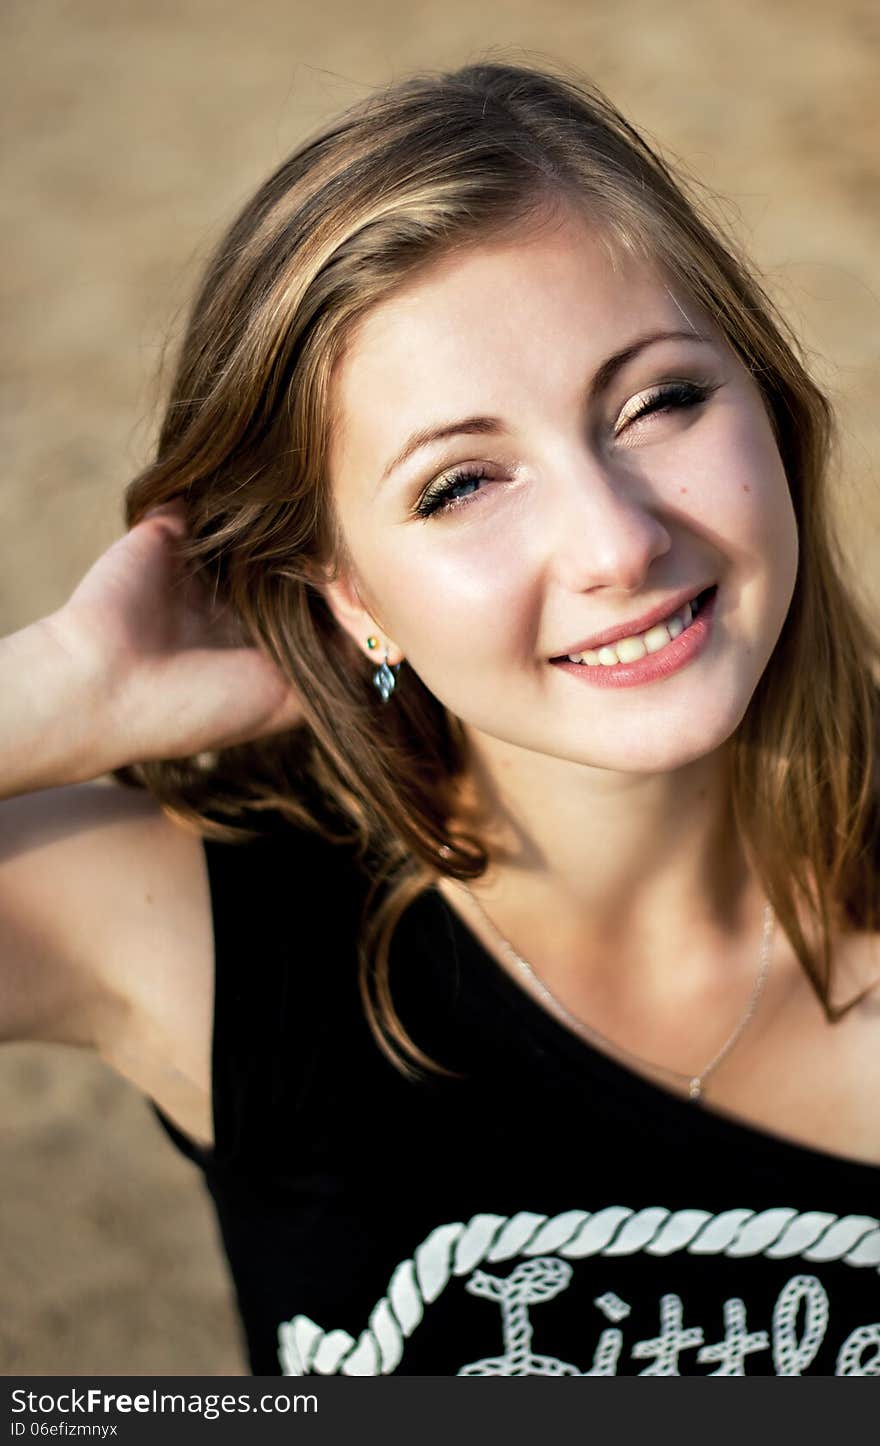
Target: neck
(642,877)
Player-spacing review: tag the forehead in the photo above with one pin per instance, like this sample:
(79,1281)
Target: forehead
(488,327)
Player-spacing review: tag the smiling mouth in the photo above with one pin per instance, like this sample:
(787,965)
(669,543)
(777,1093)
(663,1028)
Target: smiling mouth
(639,645)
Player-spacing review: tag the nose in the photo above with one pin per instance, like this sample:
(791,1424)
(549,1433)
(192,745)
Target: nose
(605,532)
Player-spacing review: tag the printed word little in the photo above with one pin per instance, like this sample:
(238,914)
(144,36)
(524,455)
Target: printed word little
(793,1350)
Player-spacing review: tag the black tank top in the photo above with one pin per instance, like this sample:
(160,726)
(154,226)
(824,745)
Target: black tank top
(553,1213)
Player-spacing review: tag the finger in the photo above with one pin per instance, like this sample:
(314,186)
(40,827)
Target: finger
(287,715)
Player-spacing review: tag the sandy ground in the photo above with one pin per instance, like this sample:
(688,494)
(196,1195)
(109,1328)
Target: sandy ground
(134,129)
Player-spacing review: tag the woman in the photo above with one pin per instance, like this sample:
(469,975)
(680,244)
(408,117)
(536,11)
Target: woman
(483,660)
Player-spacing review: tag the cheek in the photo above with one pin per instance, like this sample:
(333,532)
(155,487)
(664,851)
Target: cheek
(741,492)
(750,520)
(769,521)
(449,604)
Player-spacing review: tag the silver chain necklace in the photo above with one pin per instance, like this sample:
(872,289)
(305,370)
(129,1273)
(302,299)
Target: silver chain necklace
(694,1082)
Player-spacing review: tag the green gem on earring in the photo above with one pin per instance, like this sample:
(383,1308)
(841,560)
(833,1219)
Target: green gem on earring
(384,677)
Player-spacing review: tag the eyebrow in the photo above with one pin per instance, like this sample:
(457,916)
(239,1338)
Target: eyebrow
(484,426)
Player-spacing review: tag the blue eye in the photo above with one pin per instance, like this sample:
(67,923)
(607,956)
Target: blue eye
(438,498)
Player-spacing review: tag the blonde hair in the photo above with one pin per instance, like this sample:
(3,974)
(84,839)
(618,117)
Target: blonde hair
(434,161)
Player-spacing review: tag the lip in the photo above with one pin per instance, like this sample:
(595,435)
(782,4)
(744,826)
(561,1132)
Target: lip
(654,666)
(636,625)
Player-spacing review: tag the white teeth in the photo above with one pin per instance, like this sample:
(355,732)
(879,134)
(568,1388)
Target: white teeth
(629,650)
(656,638)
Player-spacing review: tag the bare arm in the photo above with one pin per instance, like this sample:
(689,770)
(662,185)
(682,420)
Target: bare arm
(105,923)
(106,939)
(59,839)
(49,713)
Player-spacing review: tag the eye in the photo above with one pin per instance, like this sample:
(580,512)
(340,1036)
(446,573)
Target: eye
(671,395)
(438,498)
(668,396)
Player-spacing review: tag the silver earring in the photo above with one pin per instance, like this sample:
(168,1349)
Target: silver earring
(385,676)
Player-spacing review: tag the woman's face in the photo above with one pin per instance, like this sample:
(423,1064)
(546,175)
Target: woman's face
(582,520)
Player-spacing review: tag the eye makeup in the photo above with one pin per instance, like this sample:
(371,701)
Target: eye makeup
(667,396)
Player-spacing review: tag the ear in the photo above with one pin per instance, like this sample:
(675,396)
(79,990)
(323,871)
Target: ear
(344,601)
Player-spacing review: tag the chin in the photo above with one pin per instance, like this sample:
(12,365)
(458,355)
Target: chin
(646,753)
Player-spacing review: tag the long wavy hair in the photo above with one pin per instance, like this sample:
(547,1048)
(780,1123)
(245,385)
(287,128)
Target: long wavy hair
(435,161)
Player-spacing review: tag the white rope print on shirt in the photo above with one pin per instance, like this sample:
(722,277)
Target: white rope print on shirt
(456,1249)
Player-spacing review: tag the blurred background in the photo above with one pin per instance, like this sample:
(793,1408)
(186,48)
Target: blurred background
(134,131)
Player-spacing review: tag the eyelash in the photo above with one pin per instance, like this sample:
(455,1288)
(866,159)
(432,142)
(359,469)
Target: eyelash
(675,394)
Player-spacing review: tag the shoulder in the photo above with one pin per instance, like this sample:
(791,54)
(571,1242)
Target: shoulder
(209,941)
(105,929)
(87,872)
(113,916)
